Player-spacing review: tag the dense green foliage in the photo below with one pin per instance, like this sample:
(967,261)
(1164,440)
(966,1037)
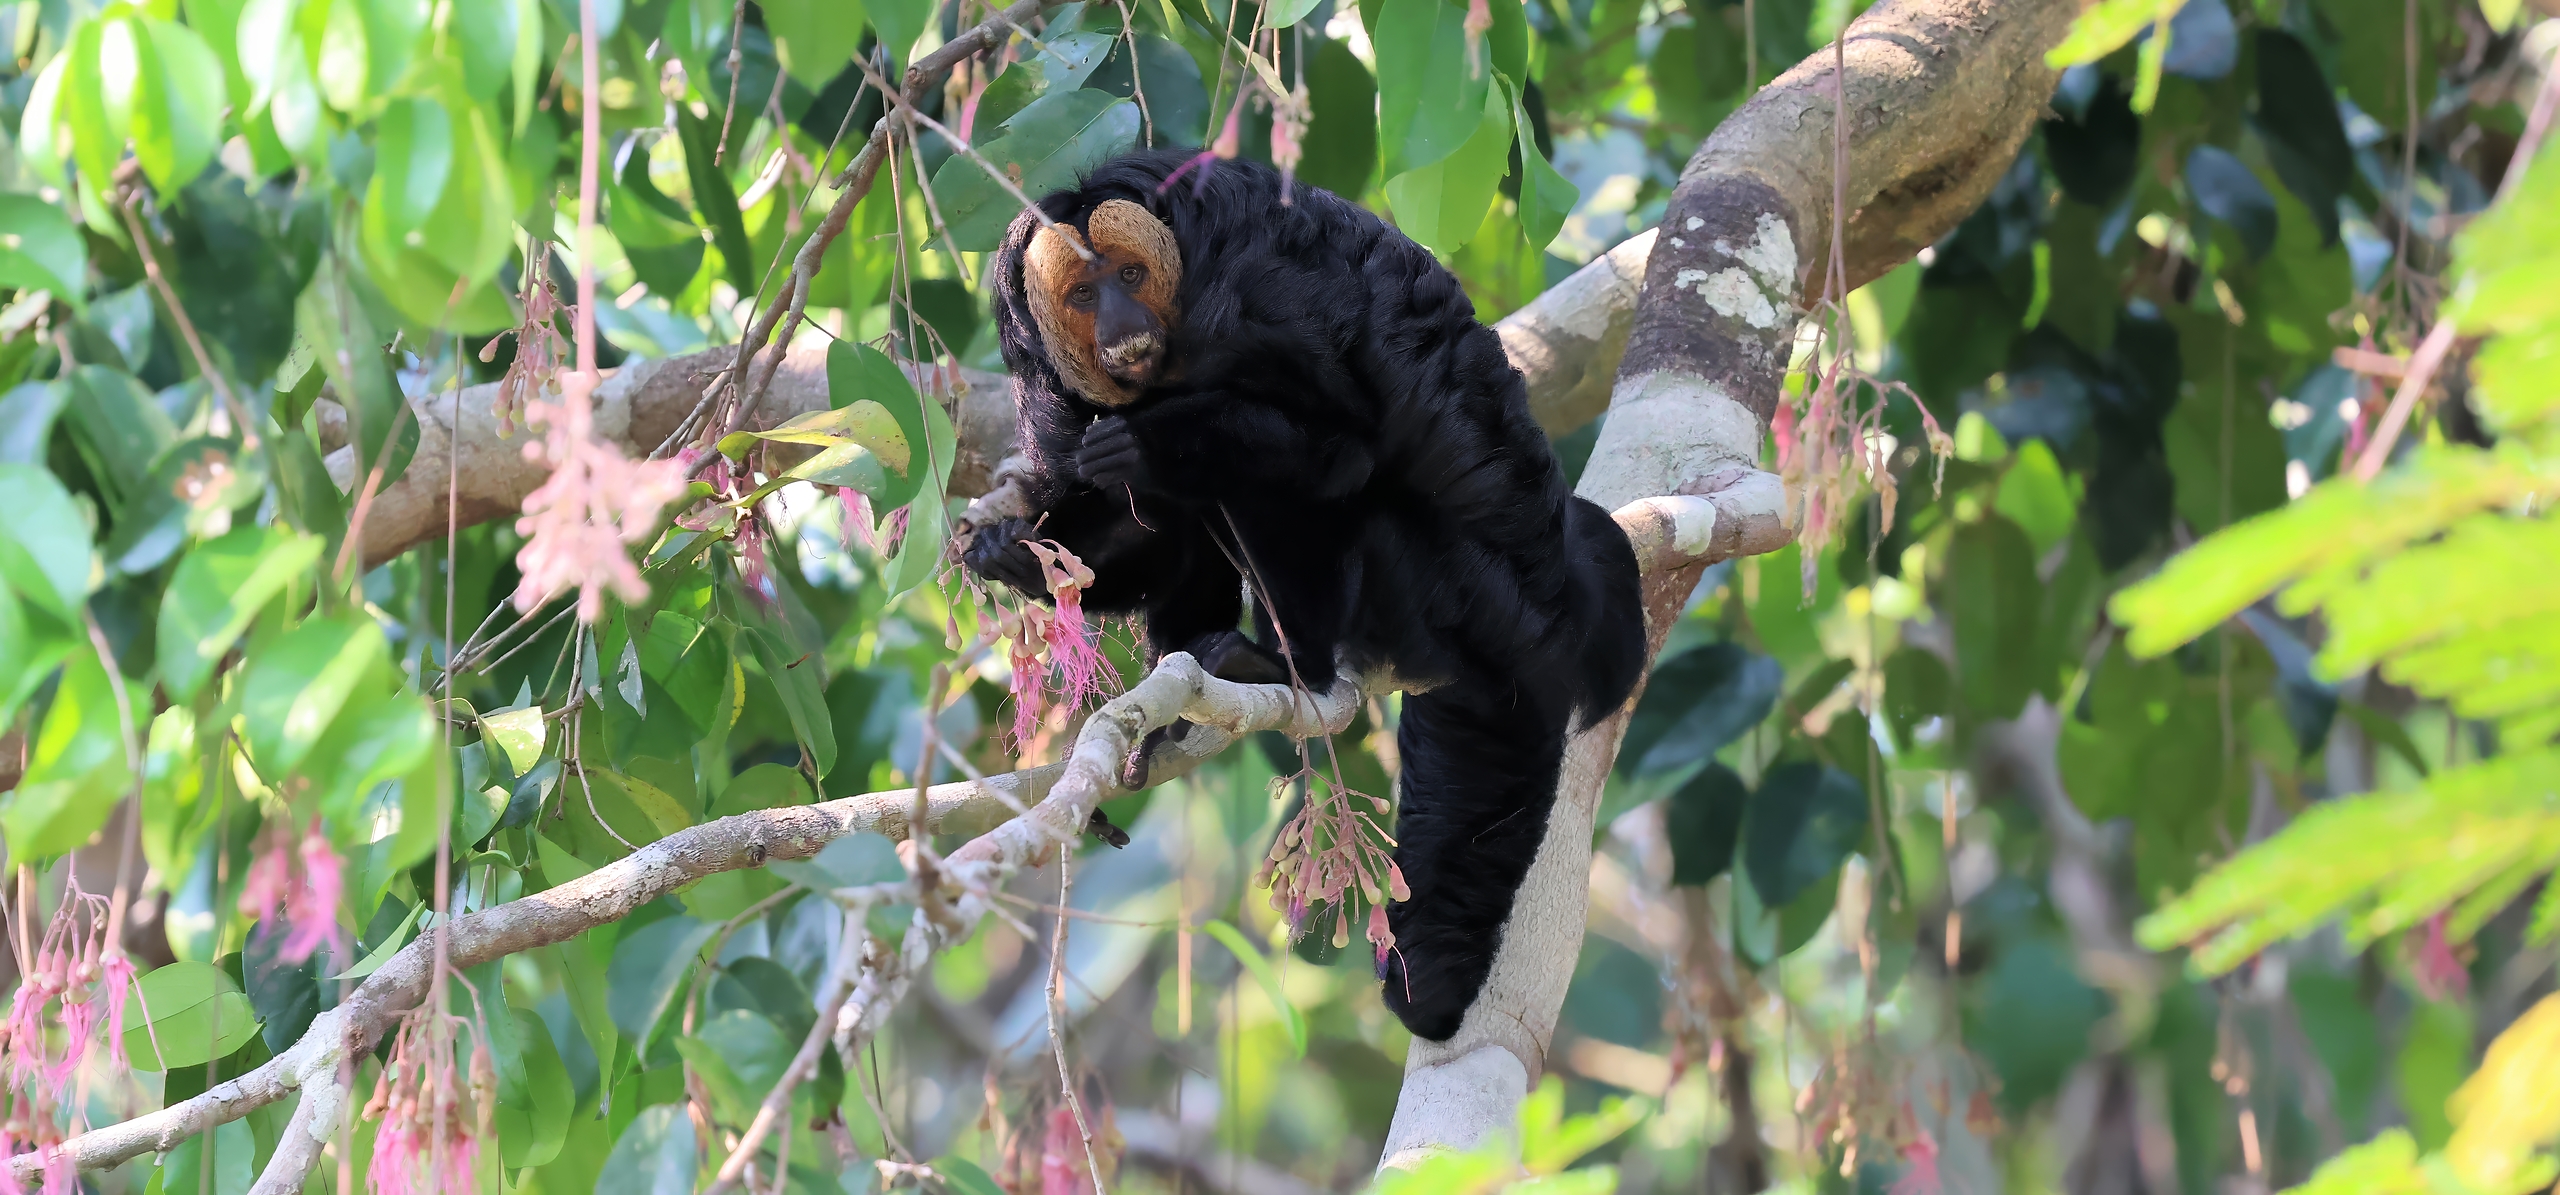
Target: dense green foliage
(1904,816)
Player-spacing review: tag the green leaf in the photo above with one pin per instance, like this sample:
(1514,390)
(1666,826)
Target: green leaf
(40,250)
(814,39)
(1048,145)
(1994,599)
(27,415)
(177,116)
(1804,820)
(44,543)
(486,32)
(649,965)
(2229,191)
(1431,97)
(412,161)
(851,861)
(215,593)
(381,954)
(865,421)
(964,1176)
(76,767)
(797,679)
(1233,939)
(518,736)
(664,244)
(717,202)
(295,686)
(533,1115)
(2298,119)
(1442,204)
(2034,495)
(232,1168)
(654,1156)
(1704,822)
(1546,197)
(1341,142)
(192,1011)
(30,645)
(899,23)
(2105,27)
(1697,702)
(751,1051)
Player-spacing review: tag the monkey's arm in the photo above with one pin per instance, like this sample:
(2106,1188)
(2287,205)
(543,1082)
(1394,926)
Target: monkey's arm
(1113,536)
(1222,446)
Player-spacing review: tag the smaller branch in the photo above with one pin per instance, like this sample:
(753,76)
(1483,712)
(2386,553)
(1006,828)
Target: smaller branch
(314,1119)
(2422,371)
(777,1103)
(186,326)
(960,145)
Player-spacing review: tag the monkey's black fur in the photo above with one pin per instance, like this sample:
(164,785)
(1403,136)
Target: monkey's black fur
(1329,400)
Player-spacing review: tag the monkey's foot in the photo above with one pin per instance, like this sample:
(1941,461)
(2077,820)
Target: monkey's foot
(1133,770)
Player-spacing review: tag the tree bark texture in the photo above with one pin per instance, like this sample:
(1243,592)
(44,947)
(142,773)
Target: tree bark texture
(1940,94)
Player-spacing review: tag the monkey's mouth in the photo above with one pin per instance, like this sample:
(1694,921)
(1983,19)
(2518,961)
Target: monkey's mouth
(1133,360)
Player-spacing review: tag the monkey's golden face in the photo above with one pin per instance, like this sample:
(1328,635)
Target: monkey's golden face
(1106,321)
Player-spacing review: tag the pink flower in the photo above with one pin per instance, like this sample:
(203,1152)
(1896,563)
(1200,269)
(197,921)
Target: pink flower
(754,571)
(1381,939)
(270,879)
(2437,969)
(1782,429)
(577,524)
(26,1026)
(857,518)
(79,1018)
(397,1153)
(312,909)
(1920,1168)
(115,985)
(1062,1161)
(61,1173)
(1289,116)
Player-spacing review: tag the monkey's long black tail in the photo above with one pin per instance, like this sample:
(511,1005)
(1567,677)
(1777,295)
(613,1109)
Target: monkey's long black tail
(1479,775)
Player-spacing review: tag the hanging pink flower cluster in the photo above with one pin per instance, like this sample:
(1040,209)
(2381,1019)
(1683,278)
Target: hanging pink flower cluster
(1290,115)
(1334,845)
(81,974)
(2433,963)
(306,879)
(1074,669)
(1066,1168)
(428,1129)
(1835,445)
(535,368)
(578,524)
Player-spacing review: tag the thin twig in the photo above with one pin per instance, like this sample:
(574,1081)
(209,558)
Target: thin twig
(249,438)
(1057,1040)
(777,1103)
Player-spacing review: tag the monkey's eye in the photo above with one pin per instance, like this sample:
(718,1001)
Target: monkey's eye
(1082,295)
(1131,275)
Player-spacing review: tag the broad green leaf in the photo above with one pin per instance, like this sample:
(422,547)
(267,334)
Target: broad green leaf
(44,130)
(2229,191)
(381,954)
(662,813)
(2035,495)
(104,76)
(533,1115)
(859,377)
(1804,820)
(518,735)
(40,250)
(1995,600)
(1254,961)
(664,245)
(1341,143)
(798,679)
(1703,822)
(814,39)
(76,765)
(1697,702)
(649,965)
(752,1052)
(717,202)
(1285,13)
(231,1170)
(44,543)
(2105,27)
(1046,146)
(899,23)
(1431,97)
(654,1156)
(412,159)
(851,861)
(1546,197)
(176,115)
(343,69)
(30,645)
(865,421)
(216,591)
(1442,204)
(185,1014)
(294,686)
(486,33)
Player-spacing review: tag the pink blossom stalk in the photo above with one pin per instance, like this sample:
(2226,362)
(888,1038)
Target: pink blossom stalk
(578,525)
(115,986)
(311,909)
(1062,1162)
(270,879)
(2437,969)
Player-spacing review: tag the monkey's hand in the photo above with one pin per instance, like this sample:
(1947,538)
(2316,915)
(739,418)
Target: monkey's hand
(1110,458)
(997,553)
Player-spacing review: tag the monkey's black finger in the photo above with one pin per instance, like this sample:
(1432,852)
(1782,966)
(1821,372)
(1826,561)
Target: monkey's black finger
(1099,825)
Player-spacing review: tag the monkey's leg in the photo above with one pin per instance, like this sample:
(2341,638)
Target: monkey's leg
(1479,775)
